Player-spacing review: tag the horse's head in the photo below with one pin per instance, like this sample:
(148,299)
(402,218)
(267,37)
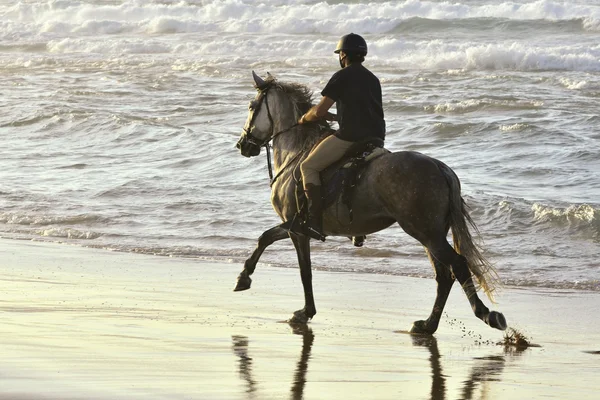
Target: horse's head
(258,129)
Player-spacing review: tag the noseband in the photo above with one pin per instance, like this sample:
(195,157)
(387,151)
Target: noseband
(249,138)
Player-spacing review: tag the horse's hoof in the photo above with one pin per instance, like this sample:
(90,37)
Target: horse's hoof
(420,327)
(299,317)
(243,283)
(497,320)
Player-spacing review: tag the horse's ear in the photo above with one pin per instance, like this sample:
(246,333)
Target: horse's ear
(269,76)
(259,83)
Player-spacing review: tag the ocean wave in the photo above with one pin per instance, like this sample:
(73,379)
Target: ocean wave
(29,120)
(451,129)
(440,54)
(514,127)
(68,233)
(580,284)
(576,217)
(20,218)
(211,254)
(574,84)
(519,215)
(488,24)
(74,166)
(531,217)
(66,16)
(591,24)
(471,105)
(213,55)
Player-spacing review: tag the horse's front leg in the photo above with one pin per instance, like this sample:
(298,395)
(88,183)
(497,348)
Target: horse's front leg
(265,240)
(302,245)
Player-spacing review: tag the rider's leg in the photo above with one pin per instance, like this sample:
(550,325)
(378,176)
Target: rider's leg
(315,207)
(326,153)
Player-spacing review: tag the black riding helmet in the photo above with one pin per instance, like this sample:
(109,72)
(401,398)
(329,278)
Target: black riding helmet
(352,43)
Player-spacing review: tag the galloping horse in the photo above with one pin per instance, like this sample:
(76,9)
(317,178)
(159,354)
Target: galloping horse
(418,192)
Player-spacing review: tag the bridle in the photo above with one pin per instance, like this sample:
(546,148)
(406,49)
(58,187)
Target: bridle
(249,138)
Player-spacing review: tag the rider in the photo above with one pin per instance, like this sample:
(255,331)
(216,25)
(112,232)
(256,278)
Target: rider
(356,91)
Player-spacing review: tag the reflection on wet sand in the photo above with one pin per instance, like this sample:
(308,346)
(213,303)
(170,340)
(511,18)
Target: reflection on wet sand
(240,349)
(438,382)
(486,369)
(300,375)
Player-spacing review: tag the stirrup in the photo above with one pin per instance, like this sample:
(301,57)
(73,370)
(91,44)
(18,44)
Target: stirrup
(295,225)
(313,233)
(358,241)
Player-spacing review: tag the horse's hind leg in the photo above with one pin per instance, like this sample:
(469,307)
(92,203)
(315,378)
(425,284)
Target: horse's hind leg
(445,280)
(446,254)
(265,240)
(302,244)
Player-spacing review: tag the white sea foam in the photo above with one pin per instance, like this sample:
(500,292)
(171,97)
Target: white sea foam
(572,214)
(218,29)
(281,16)
(439,54)
(591,24)
(393,53)
(573,84)
(470,105)
(513,127)
(68,233)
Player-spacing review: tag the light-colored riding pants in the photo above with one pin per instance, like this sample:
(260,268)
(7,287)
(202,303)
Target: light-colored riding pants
(326,153)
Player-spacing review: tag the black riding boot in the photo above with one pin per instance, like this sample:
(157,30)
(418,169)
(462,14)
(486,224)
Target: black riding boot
(315,211)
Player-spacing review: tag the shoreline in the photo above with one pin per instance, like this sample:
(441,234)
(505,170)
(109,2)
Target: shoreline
(95,324)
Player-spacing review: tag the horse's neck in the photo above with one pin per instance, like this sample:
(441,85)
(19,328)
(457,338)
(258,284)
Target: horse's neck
(288,144)
(293,145)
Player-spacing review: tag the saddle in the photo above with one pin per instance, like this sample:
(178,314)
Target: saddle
(339,180)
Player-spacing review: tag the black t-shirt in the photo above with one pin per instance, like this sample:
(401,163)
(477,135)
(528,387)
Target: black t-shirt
(357,94)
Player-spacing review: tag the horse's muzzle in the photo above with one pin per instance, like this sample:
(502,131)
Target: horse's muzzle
(247,149)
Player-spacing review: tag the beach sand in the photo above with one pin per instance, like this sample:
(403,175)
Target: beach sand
(80,323)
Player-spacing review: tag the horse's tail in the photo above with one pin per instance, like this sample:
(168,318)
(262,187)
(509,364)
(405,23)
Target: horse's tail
(483,270)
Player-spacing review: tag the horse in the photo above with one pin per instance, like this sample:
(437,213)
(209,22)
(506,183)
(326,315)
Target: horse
(420,193)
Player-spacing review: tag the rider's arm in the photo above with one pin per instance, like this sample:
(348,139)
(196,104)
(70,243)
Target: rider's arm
(319,111)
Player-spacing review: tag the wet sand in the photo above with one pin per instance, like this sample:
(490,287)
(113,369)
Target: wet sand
(92,324)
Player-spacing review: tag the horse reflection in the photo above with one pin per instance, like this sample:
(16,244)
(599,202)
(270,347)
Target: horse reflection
(240,349)
(300,375)
(486,369)
(438,380)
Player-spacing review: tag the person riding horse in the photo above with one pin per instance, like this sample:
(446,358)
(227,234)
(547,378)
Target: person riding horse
(356,91)
(419,193)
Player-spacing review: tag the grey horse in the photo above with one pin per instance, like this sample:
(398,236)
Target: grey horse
(418,192)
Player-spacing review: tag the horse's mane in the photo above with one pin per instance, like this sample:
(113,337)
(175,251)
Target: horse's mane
(302,100)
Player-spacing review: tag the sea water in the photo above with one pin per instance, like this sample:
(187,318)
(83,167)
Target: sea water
(119,118)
